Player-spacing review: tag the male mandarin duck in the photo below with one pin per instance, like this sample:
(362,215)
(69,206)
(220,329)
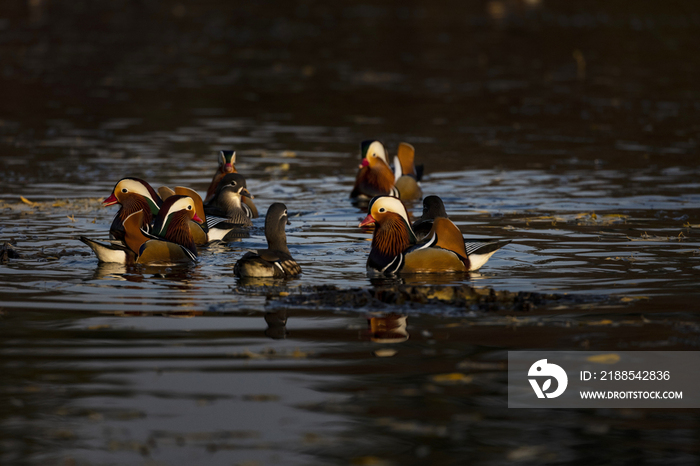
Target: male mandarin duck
(395,250)
(376,178)
(275,261)
(216,224)
(198,228)
(132,194)
(227,210)
(227,160)
(171,241)
(227,164)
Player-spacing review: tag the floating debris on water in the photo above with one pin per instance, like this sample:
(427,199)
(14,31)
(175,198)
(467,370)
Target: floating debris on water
(463,296)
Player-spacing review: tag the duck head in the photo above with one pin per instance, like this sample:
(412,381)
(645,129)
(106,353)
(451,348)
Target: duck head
(233,183)
(433,207)
(131,191)
(230,191)
(373,155)
(385,209)
(227,161)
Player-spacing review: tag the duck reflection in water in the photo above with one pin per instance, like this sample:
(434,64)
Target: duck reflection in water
(276,324)
(182,276)
(386,329)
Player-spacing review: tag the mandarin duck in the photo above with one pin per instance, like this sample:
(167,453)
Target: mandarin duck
(214,225)
(375,177)
(227,164)
(395,250)
(227,212)
(132,194)
(275,261)
(171,241)
(198,228)
(227,160)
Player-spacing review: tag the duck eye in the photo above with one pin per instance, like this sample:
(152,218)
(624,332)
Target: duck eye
(382,209)
(374,155)
(124,190)
(189,207)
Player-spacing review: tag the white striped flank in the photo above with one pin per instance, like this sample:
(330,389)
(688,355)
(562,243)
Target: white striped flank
(192,255)
(473,247)
(213,221)
(397,267)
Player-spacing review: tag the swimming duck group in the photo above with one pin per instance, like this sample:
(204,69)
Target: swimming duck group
(167,225)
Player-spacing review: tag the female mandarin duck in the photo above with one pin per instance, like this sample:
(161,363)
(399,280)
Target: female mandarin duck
(227,160)
(394,247)
(227,212)
(375,178)
(132,194)
(433,207)
(275,261)
(171,242)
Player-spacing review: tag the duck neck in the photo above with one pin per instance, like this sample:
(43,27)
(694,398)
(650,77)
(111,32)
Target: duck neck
(134,204)
(276,237)
(391,238)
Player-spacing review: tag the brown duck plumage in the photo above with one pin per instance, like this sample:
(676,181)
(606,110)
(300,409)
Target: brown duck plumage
(374,178)
(394,248)
(132,194)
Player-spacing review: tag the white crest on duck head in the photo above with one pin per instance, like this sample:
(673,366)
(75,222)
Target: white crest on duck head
(183,203)
(383,204)
(376,149)
(137,186)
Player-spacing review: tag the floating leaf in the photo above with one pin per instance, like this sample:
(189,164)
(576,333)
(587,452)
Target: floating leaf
(28,202)
(629,299)
(454,377)
(601,322)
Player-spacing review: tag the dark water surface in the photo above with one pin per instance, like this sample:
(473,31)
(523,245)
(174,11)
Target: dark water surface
(570,128)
